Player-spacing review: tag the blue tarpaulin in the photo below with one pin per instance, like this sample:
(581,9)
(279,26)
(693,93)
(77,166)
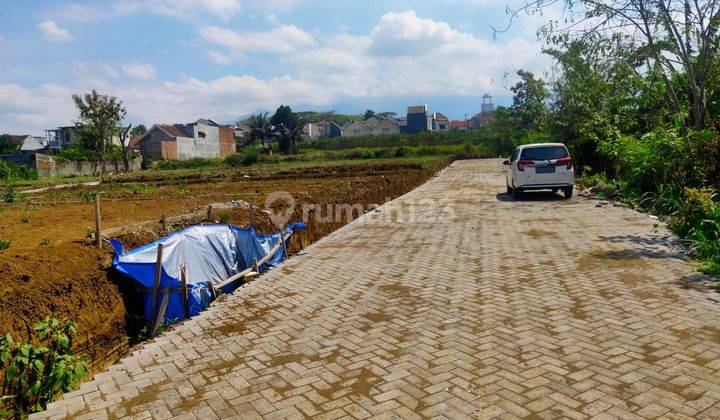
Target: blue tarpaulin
(210,253)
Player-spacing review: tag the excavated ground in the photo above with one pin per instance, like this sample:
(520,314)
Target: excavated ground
(52,267)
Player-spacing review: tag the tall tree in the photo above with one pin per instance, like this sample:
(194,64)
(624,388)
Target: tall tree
(529,100)
(138,130)
(8,144)
(100,117)
(368,114)
(260,129)
(285,122)
(123,134)
(679,39)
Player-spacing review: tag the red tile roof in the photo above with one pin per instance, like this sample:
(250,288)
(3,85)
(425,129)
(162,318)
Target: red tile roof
(172,130)
(134,140)
(461,124)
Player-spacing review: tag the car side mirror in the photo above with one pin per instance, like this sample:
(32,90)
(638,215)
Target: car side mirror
(507,162)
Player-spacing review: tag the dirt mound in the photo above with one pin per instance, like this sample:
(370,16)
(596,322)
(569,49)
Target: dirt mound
(70,281)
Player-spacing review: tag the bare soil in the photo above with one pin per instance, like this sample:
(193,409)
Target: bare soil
(52,267)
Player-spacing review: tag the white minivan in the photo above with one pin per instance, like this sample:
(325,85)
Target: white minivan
(540,166)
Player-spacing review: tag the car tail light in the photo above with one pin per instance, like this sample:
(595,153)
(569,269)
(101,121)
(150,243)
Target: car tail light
(564,161)
(525,162)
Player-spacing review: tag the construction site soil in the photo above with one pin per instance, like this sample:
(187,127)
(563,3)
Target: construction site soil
(53,268)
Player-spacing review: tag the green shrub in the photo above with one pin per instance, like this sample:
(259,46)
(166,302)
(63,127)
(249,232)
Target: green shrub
(35,374)
(697,207)
(354,154)
(194,163)
(4,244)
(401,151)
(248,156)
(11,196)
(13,171)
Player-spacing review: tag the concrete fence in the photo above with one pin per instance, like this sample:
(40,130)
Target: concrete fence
(48,166)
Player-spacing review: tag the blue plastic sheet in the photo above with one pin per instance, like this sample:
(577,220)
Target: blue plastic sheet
(211,254)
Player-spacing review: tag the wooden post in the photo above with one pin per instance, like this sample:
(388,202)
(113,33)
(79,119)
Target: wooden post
(209,215)
(186,303)
(250,215)
(161,312)
(98,233)
(213,292)
(282,240)
(156,289)
(163,225)
(255,266)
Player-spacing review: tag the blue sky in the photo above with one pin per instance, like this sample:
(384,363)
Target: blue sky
(179,60)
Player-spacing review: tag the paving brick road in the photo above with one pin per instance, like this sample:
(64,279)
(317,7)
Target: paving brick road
(470,305)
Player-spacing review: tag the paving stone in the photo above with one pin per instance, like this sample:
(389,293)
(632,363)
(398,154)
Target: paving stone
(453,300)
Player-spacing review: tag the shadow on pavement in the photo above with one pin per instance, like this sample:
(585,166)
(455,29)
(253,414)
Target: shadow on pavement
(531,196)
(698,281)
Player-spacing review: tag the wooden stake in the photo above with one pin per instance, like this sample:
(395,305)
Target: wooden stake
(161,312)
(255,266)
(163,224)
(209,215)
(98,233)
(186,303)
(156,289)
(282,240)
(213,292)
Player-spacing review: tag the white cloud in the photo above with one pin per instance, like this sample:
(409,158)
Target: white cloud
(181,9)
(53,33)
(322,71)
(109,71)
(281,40)
(219,58)
(139,71)
(407,34)
(185,9)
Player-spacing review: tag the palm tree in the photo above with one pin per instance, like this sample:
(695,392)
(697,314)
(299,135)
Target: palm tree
(260,128)
(292,134)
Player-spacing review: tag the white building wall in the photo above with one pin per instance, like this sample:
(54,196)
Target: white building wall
(199,146)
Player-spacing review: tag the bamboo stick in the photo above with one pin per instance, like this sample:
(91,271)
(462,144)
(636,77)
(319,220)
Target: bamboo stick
(262,261)
(156,289)
(98,232)
(186,303)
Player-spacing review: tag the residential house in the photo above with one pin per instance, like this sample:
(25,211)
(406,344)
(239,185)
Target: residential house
(356,128)
(314,130)
(486,115)
(133,144)
(440,122)
(62,137)
(201,139)
(241,130)
(383,126)
(417,119)
(228,141)
(28,143)
(461,125)
(333,130)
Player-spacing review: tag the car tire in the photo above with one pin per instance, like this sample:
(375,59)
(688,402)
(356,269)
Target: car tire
(568,192)
(516,193)
(555,190)
(509,189)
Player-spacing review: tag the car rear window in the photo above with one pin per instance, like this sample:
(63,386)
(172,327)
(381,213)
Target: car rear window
(544,153)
